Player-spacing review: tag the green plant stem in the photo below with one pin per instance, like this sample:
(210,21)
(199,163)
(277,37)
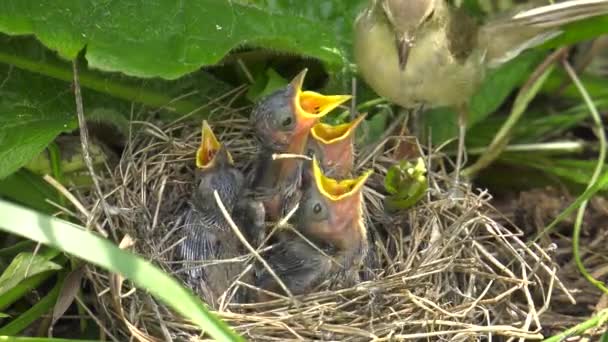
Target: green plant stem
(560,147)
(599,131)
(100,84)
(596,321)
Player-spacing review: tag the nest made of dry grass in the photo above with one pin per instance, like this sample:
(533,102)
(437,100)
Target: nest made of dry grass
(446,269)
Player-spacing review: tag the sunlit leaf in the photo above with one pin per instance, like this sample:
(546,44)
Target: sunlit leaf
(163,38)
(23,266)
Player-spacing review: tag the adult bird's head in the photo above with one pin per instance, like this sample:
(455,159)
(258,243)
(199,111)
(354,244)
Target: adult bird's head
(283,119)
(333,146)
(331,210)
(405,18)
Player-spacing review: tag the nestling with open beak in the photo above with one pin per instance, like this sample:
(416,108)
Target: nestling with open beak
(330,217)
(334,147)
(282,122)
(208,236)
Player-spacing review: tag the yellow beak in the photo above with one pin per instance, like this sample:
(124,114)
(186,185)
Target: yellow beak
(205,155)
(310,106)
(336,190)
(328,134)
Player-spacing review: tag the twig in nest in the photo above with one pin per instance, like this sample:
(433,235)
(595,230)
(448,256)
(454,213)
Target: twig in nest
(84,140)
(252,250)
(276,156)
(59,187)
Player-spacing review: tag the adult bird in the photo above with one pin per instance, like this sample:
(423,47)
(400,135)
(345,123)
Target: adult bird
(208,238)
(333,146)
(427,52)
(281,123)
(330,217)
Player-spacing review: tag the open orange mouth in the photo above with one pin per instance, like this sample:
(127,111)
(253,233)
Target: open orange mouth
(310,105)
(328,134)
(336,190)
(205,155)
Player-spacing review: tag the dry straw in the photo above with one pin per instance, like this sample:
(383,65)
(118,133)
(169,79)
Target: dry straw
(446,270)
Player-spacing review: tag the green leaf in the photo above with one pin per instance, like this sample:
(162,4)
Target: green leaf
(407,183)
(533,127)
(597,87)
(577,171)
(335,15)
(372,129)
(29,189)
(33,111)
(16,248)
(24,265)
(28,317)
(579,31)
(101,252)
(266,84)
(28,54)
(163,38)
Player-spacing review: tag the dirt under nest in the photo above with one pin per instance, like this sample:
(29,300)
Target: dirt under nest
(446,269)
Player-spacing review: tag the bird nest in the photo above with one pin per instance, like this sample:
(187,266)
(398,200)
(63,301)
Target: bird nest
(446,269)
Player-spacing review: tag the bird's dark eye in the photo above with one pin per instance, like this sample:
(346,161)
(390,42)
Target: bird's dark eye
(286,122)
(310,152)
(429,16)
(316,208)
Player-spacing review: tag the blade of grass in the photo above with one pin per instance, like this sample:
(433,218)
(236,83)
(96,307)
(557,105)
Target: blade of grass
(42,307)
(90,247)
(596,321)
(601,135)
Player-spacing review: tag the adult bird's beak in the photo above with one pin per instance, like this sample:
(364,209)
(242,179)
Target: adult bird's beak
(404,45)
(345,200)
(310,106)
(211,152)
(335,143)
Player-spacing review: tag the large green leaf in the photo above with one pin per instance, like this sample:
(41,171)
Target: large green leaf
(163,38)
(33,111)
(92,248)
(28,54)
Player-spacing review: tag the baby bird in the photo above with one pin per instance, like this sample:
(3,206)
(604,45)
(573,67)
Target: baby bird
(208,236)
(282,122)
(330,217)
(334,147)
